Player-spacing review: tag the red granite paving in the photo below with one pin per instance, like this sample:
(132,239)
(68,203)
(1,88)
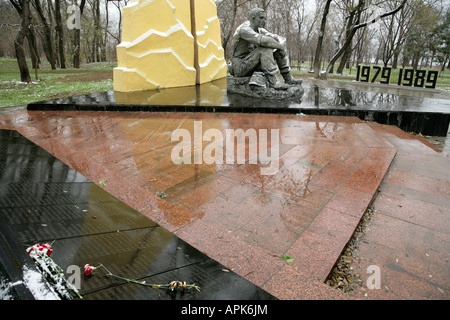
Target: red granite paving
(330,169)
(409,238)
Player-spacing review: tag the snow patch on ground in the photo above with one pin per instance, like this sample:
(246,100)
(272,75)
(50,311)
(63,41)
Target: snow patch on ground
(35,282)
(5,286)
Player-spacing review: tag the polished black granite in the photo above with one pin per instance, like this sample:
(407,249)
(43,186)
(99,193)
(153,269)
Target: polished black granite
(44,200)
(419,111)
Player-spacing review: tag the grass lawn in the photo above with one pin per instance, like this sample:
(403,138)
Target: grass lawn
(51,84)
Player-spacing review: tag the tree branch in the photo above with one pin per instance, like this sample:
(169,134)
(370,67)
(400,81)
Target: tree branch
(356,28)
(384,15)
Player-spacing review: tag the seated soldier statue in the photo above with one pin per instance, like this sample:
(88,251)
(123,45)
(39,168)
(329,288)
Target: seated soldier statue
(255,49)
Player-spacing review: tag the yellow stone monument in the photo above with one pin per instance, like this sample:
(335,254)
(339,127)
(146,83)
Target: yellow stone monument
(169,43)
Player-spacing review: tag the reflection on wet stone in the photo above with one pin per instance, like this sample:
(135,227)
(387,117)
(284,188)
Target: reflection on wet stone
(423,112)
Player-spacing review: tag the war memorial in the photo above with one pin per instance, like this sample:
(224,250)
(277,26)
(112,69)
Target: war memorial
(161,188)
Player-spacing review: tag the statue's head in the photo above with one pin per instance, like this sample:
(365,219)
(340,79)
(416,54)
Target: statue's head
(257,18)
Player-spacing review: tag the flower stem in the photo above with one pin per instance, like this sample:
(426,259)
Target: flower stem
(173,285)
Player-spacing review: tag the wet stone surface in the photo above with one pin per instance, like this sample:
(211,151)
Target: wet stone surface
(424,112)
(44,200)
(330,170)
(227,211)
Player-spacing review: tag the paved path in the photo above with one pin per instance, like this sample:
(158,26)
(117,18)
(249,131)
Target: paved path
(409,237)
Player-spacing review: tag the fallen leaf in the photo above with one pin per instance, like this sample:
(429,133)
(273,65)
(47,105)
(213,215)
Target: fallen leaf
(287,259)
(162,194)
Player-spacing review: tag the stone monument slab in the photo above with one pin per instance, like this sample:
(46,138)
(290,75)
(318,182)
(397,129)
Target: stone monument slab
(169,44)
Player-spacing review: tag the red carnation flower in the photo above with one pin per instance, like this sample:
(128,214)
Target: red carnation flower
(88,269)
(48,247)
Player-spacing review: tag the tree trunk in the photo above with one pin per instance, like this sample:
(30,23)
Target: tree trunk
(318,56)
(18,41)
(47,35)
(347,52)
(415,63)
(31,39)
(96,49)
(265,4)
(395,60)
(60,33)
(105,38)
(100,44)
(77,40)
(344,60)
(444,62)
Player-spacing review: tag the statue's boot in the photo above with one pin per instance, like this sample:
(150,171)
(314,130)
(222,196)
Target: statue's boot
(275,84)
(290,80)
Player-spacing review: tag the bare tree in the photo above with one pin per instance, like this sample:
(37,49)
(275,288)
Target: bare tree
(230,13)
(77,39)
(29,34)
(318,57)
(361,48)
(441,40)
(394,33)
(60,34)
(358,26)
(264,4)
(47,37)
(96,44)
(119,5)
(417,44)
(353,17)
